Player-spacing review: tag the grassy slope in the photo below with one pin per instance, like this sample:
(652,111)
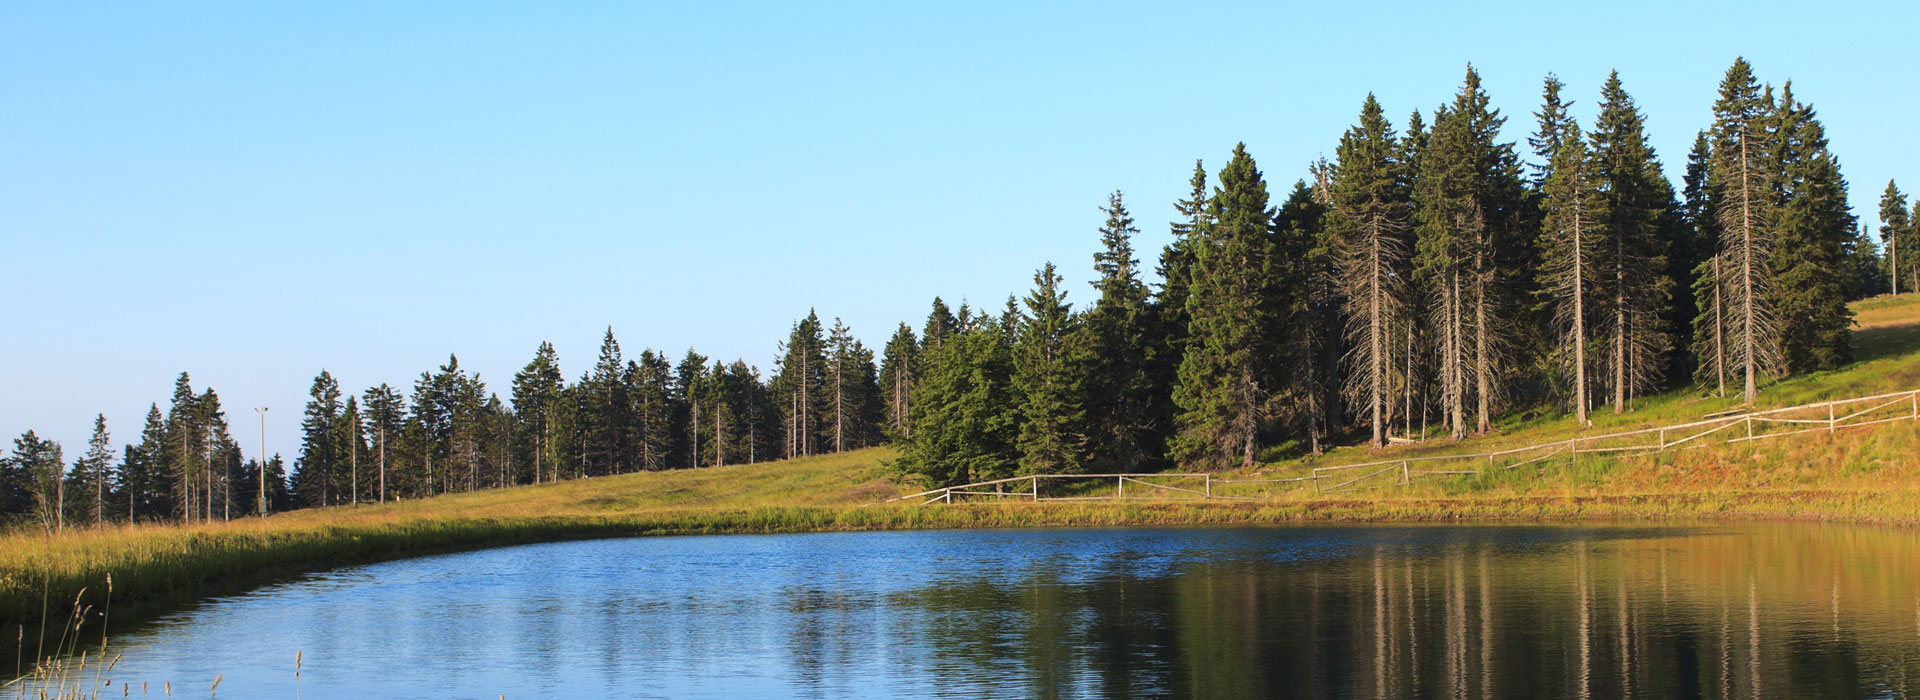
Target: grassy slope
(1868,475)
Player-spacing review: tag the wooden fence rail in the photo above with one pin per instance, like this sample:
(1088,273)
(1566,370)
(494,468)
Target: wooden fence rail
(1884,408)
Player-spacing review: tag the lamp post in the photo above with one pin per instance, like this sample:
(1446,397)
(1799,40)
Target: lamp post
(262,410)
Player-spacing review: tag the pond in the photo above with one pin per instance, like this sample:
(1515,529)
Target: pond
(1779,610)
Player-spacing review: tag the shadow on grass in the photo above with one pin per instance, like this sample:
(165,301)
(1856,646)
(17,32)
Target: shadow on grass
(1886,341)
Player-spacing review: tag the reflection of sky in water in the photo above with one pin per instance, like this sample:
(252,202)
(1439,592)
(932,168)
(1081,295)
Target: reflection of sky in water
(1092,612)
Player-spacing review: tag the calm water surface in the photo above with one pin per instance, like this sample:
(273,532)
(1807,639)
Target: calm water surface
(1761,611)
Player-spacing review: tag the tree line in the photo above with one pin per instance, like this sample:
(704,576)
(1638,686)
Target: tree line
(1424,281)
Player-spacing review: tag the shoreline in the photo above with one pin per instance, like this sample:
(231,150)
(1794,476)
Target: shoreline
(199,562)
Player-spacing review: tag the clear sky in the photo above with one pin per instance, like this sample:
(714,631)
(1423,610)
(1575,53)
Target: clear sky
(253,191)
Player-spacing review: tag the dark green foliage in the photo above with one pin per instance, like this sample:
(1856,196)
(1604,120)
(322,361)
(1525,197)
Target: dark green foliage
(853,407)
(1743,197)
(536,395)
(1896,239)
(962,428)
(1368,237)
(1555,125)
(1630,312)
(1122,349)
(31,481)
(1050,367)
(899,370)
(1865,265)
(385,417)
(940,324)
(1234,303)
(321,455)
(1574,212)
(1473,256)
(799,378)
(146,494)
(1814,227)
(650,389)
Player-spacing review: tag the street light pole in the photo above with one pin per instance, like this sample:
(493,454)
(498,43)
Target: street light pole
(262,410)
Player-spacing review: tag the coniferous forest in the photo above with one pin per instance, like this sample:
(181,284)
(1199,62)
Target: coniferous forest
(1426,281)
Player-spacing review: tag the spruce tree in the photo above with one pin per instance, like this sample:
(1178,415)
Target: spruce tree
(1864,263)
(99,472)
(1814,227)
(1049,368)
(1554,125)
(899,368)
(32,481)
(536,388)
(1467,195)
(800,380)
(386,412)
(1743,213)
(1120,350)
(180,452)
(607,416)
(940,324)
(1574,211)
(1895,232)
(145,471)
(1710,273)
(962,428)
(1631,254)
(320,448)
(1221,396)
(1367,221)
(651,382)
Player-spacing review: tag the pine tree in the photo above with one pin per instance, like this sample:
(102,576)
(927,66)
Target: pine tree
(694,406)
(1176,260)
(1574,210)
(349,448)
(386,418)
(1314,322)
(1895,232)
(32,481)
(962,428)
(98,472)
(607,417)
(1555,123)
(651,380)
(1367,220)
(180,453)
(319,446)
(1049,366)
(1631,256)
(940,324)
(536,388)
(1120,351)
(1743,213)
(1467,197)
(899,369)
(1710,290)
(801,377)
(145,470)
(1814,227)
(1865,263)
(1220,393)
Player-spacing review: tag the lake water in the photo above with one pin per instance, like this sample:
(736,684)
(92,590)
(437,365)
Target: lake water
(1714,611)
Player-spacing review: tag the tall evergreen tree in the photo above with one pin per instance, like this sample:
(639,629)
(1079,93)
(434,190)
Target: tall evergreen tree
(320,452)
(1367,221)
(1574,210)
(1049,366)
(1865,264)
(1814,227)
(145,471)
(1121,349)
(32,481)
(1467,194)
(899,369)
(98,472)
(1220,393)
(180,452)
(651,382)
(1631,253)
(1743,213)
(1895,232)
(386,412)
(1554,125)
(940,324)
(800,379)
(536,388)
(962,428)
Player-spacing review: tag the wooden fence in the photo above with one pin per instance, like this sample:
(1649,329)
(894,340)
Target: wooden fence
(1716,429)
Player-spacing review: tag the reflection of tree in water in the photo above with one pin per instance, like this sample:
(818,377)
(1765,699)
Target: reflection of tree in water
(1766,611)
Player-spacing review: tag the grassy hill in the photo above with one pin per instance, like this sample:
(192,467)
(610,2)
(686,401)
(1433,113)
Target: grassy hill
(1868,474)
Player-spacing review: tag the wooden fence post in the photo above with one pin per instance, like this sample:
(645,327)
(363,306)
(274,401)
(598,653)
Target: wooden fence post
(1749,426)
(1829,419)
(1036,488)
(1121,482)
(1209,485)
(1406,472)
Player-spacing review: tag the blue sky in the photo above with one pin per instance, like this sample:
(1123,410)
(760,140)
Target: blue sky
(255,191)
